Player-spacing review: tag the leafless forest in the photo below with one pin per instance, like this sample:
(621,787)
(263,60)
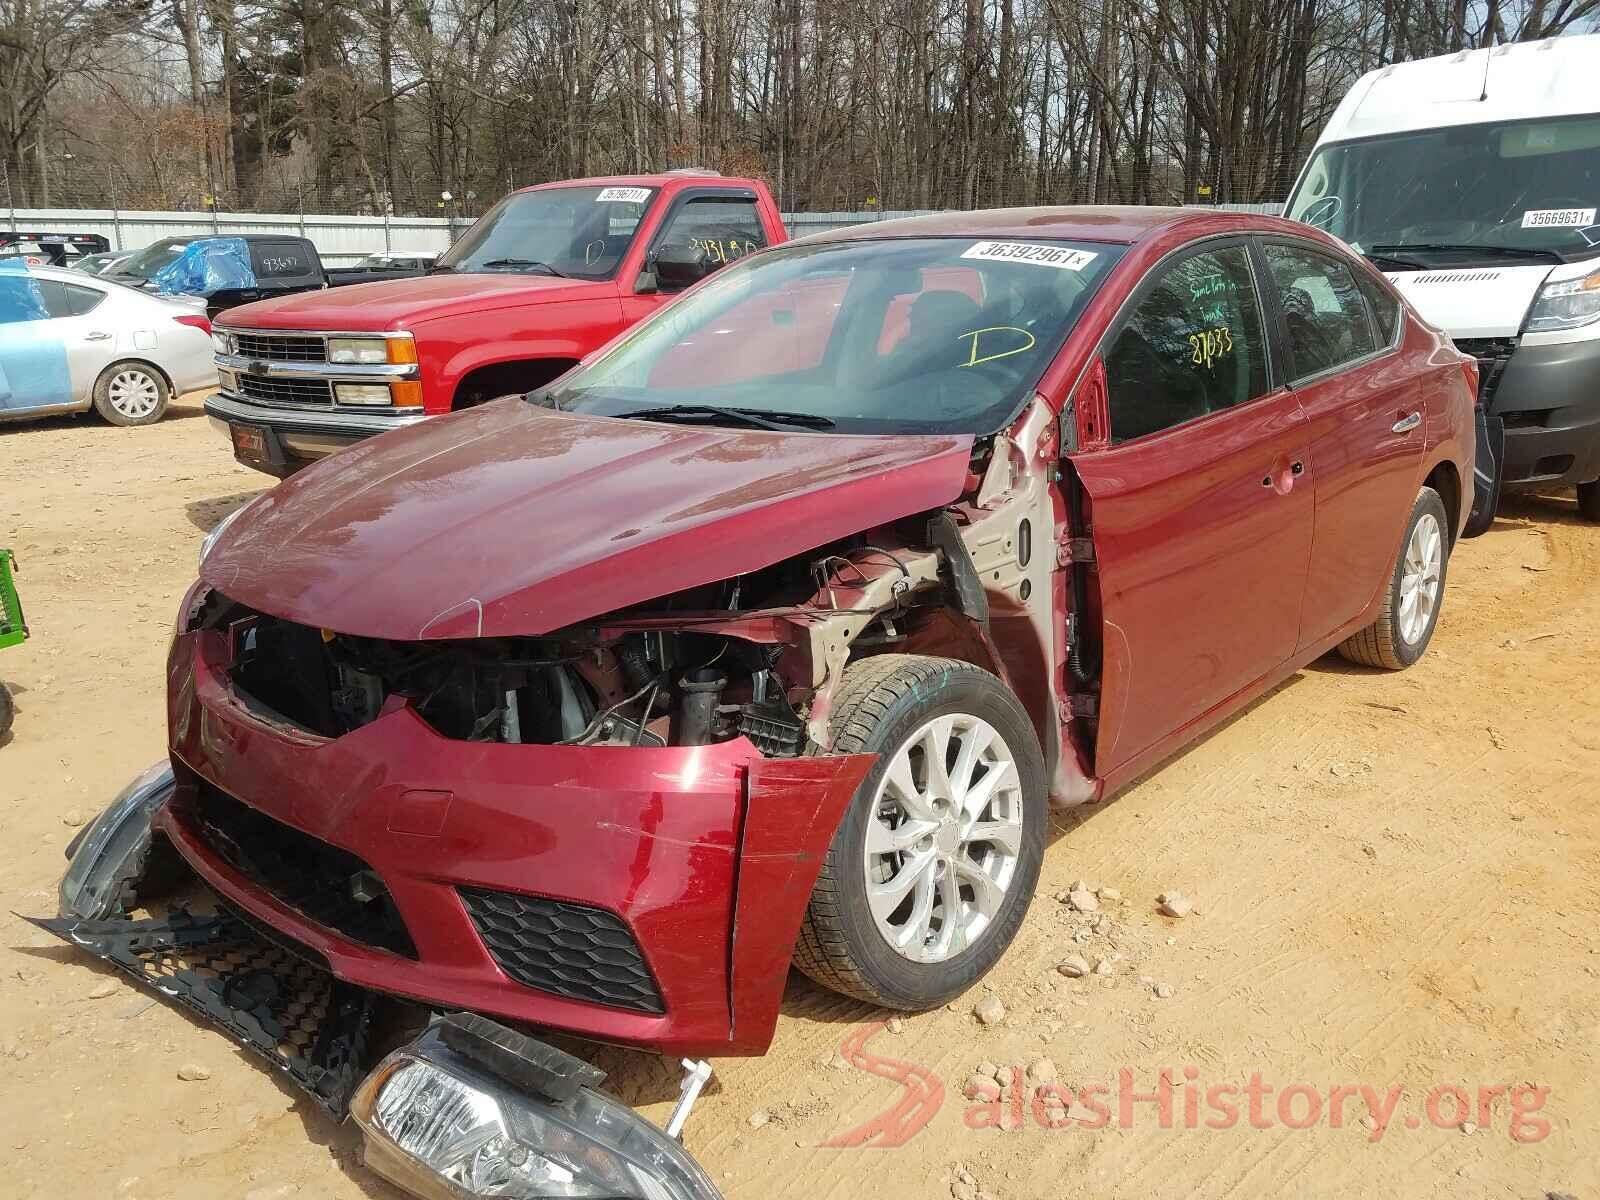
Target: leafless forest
(439,106)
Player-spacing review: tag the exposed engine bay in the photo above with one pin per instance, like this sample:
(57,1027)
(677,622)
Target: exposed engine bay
(755,655)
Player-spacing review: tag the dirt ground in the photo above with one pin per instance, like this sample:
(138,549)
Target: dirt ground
(1396,880)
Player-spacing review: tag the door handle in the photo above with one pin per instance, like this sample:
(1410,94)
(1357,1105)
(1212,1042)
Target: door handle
(97,337)
(1407,424)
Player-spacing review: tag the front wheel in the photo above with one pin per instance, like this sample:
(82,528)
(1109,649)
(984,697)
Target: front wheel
(1589,500)
(933,867)
(130,393)
(1411,607)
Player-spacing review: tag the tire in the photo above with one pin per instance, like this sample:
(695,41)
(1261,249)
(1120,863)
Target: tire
(888,704)
(1399,637)
(8,711)
(1589,500)
(131,393)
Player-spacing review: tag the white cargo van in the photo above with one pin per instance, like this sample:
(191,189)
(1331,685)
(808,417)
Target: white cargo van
(1473,181)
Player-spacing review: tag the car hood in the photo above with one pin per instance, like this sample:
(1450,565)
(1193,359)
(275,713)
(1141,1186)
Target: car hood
(1473,302)
(510,519)
(396,303)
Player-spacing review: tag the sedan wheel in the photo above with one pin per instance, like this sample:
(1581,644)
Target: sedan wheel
(1411,603)
(934,865)
(942,844)
(130,394)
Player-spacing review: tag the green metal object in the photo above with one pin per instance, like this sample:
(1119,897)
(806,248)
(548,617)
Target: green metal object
(13,629)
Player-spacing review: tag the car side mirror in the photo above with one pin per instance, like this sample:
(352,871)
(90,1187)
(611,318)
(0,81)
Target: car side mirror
(680,264)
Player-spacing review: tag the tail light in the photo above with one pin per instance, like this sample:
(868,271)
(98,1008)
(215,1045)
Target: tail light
(195,322)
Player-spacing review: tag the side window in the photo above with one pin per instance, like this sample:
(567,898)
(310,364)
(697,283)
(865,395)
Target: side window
(1325,317)
(725,227)
(1385,308)
(54,295)
(281,259)
(1194,345)
(82,300)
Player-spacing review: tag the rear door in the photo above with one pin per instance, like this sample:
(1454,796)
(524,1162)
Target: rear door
(1200,507)
(1364,410)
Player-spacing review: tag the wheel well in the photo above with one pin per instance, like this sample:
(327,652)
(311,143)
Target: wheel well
(504,378)
(1445,480)
(139,362)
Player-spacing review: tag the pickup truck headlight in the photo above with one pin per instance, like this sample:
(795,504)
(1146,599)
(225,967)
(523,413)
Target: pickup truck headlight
(363,393)
(221,341)
(1566,305)
(358,350)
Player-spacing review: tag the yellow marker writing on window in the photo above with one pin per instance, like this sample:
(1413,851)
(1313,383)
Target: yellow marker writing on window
(974,358)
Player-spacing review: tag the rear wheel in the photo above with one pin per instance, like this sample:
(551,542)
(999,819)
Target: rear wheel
(131,393)
(933,867)
(1589,500)
(1411,608)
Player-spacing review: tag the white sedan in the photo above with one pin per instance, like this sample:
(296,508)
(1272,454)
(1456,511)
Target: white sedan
(70,341)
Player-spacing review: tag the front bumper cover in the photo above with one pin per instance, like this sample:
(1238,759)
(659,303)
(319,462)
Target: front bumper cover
(295,436)
(1549,399)
(706,855)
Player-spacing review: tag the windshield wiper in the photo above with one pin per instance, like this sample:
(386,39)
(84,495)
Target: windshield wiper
(1399,260)
(760,418)
(529,263)
(1472,248)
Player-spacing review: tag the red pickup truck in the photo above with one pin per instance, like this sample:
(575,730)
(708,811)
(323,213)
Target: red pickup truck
(548,275)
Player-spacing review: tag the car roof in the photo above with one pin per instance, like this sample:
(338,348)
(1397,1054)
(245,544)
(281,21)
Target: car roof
(688,176)
(68,275)
(1513,82)
(1121,224)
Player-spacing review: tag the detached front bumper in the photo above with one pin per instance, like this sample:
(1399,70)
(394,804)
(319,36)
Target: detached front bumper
(636,895)
(280,440)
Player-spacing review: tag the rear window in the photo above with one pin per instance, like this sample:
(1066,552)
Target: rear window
(281,259)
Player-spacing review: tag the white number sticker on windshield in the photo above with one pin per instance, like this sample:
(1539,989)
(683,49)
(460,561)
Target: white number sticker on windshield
(625,195)
(1557,218)
(1063,258)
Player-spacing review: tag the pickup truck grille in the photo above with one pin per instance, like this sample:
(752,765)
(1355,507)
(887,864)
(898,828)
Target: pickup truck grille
(1492,354)
(276,347)
(286,391)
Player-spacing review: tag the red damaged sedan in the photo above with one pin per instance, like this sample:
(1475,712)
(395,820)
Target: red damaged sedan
(772,631)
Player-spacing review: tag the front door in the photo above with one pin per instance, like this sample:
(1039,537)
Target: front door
(1364,408)
(1200,507)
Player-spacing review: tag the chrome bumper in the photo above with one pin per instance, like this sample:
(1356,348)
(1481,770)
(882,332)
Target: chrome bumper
(306,433)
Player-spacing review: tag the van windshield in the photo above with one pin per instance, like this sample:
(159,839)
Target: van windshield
(581,232)
(902,335)
(1484,193)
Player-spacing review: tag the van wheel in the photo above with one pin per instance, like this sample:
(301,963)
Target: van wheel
(935,863)
(131,393)
(1589,500)
(1416,589)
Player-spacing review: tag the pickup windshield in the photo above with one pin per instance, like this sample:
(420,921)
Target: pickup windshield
(1461,195)
(581,232)
(904,335)
(142,264)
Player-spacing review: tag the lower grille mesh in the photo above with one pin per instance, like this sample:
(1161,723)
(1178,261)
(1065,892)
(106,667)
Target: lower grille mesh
(566,949)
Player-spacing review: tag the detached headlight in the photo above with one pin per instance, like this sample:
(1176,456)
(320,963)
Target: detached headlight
(210,539)
(108,857)
(443,1128)
(358,350)
(1566,305)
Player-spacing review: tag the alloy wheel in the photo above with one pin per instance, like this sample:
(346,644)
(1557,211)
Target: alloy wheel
(1419,578)
(944,838)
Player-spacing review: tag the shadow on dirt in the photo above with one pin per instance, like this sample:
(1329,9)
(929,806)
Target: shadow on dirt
(204,514)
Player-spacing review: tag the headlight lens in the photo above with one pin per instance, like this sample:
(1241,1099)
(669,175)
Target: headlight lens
(106,855)
(444,1130)
(358,350)
(1566,305)
(221,342)
(362,393)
